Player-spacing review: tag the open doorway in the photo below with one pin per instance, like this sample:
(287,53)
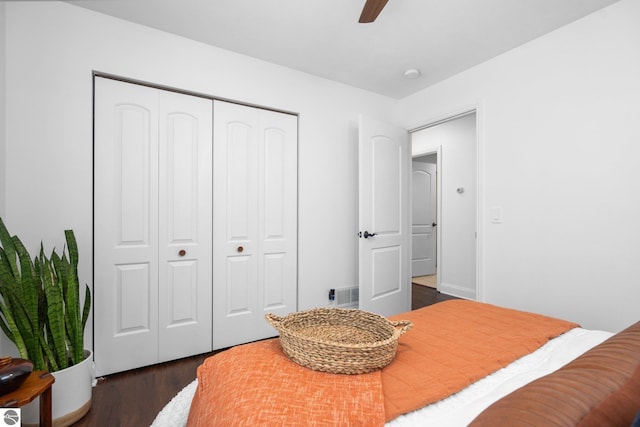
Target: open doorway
(444,224)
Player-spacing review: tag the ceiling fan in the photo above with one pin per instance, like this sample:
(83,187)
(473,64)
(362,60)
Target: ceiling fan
(371,10)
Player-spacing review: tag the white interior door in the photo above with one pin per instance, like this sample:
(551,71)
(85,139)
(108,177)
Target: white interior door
(255,221)
(384,260)
(152,186)
(423,219)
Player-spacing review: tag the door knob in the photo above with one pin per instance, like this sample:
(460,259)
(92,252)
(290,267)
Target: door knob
(182,252)
(367,234)
(240,249)
(434,224)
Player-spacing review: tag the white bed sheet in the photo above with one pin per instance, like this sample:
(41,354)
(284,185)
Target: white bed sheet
(461,408)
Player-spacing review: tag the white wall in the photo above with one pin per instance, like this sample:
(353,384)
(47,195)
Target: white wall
(457,224)
(52,48)
(549,113)
(2,109)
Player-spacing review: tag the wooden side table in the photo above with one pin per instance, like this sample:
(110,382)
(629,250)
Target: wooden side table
(38,383)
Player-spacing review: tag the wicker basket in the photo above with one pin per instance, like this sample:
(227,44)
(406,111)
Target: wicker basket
(340,341)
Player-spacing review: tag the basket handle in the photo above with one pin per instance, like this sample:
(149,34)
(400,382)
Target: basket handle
(404,326)
(273,319)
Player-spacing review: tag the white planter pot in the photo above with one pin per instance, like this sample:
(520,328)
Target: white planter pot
(71,395)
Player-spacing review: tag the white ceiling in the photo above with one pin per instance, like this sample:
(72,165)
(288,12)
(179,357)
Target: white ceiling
(324,38)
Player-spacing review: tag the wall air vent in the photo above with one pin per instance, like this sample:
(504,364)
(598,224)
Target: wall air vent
(347,297)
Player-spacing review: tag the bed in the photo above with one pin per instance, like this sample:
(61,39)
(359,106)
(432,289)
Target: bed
(463,363)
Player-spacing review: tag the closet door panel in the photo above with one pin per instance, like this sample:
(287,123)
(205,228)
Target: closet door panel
(182,290)
(185,209)
(132,294)
(132,150)
(239,164)
(235,224)
(277,206)
(239,286)
(274,277)
(125,217)
(181,176)
(274,151)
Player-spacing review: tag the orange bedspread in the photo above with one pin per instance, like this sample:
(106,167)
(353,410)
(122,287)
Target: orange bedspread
(257,385)
(458,343)
(452,345)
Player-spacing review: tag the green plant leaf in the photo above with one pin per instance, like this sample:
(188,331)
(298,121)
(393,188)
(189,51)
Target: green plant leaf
(7,245)
(11,330)
(29,281)
(55,309)
(72,300)
(87,306)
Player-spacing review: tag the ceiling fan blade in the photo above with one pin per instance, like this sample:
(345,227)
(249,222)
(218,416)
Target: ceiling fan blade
(371,10)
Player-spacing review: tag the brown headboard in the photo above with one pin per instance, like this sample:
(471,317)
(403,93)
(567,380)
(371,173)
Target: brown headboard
(599,388)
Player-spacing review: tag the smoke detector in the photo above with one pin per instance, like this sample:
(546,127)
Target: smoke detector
(412,73)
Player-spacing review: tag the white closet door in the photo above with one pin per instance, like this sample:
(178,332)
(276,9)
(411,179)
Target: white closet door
(125,226)
(235,224)
(255,221)
(152,201)
(185,235)
(277,225)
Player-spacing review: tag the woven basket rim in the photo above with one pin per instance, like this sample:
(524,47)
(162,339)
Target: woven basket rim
(371,344)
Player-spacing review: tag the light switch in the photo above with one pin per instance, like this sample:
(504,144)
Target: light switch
(496,214)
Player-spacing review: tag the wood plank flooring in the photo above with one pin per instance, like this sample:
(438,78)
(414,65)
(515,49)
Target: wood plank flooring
(134,398)
(422,296)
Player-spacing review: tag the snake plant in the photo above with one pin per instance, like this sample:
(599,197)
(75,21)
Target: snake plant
(40,308)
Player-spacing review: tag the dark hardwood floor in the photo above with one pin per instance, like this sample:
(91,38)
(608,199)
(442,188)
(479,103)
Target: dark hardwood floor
(422,296)
(134,398)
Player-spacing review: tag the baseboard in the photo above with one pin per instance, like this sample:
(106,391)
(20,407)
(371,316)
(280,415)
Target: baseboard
(457,291)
